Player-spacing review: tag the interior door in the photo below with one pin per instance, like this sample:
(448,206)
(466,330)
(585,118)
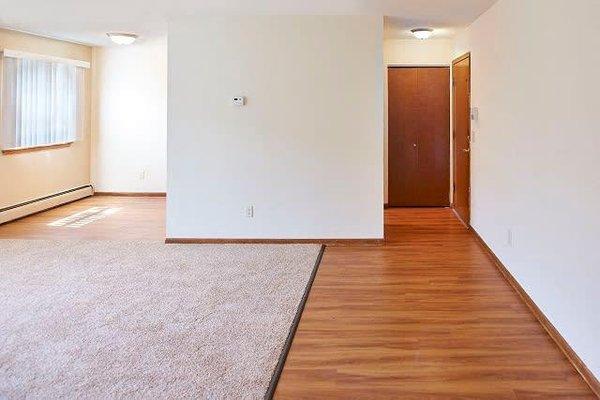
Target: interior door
(418,136)
(461,83)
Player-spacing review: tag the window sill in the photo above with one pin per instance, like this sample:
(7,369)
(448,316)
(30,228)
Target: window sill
(19,150)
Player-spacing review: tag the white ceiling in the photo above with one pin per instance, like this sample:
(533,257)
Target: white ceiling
(446,17)
(87,21)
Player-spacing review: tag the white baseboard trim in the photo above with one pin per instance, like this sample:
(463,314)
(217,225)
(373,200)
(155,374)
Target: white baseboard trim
(26,208)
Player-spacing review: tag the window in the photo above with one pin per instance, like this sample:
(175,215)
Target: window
(42,100)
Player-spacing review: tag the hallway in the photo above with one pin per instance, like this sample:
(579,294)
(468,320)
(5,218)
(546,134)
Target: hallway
(427,316)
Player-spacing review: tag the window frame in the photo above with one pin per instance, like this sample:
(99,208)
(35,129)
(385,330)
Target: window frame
(21,54)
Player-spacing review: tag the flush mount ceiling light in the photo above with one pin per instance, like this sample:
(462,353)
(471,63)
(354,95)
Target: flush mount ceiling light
(122,38)
(422,33)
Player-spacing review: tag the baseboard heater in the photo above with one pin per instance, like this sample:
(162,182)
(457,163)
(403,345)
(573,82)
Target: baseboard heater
(26,208)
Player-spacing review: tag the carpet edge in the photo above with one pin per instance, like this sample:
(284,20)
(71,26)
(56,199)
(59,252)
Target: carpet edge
(293,328)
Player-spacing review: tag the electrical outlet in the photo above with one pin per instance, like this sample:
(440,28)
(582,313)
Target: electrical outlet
(510,240)
(250,211)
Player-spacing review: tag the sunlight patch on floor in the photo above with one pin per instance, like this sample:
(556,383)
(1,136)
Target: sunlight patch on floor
(85,217)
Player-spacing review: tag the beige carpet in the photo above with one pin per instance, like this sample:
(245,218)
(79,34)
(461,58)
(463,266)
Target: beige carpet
(143,320)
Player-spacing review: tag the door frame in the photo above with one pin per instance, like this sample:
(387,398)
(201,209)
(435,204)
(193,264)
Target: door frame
(453,151)
(387,66)
(400,65)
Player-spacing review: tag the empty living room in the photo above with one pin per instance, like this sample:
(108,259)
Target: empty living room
(299,199)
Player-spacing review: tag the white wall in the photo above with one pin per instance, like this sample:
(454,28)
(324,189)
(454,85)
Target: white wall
(418,52)
(129,117)
(307,148)
(411,52)
(31,175)
(536,155)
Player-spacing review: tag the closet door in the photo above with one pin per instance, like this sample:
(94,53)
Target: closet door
(418,136)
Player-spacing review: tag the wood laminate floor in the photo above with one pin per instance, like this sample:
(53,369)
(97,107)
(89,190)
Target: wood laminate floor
(427,316)
(116,218)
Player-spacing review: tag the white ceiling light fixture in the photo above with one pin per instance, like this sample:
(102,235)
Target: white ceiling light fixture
(422,33)
(122,38)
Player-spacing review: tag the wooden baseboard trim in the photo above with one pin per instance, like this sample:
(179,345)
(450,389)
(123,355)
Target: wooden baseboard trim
(327,242)
(554,334)
(463,222)
(131,194)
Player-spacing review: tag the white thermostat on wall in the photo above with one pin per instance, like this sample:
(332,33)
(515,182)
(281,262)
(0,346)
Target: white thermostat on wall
(239,101)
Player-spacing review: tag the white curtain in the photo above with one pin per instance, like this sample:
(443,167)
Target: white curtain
(42,102)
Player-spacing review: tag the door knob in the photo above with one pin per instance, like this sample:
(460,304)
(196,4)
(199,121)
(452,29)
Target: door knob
(466,150)
(415,145)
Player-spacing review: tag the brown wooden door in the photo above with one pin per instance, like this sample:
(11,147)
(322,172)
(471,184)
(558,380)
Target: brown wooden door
(461,98)
(418,136)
